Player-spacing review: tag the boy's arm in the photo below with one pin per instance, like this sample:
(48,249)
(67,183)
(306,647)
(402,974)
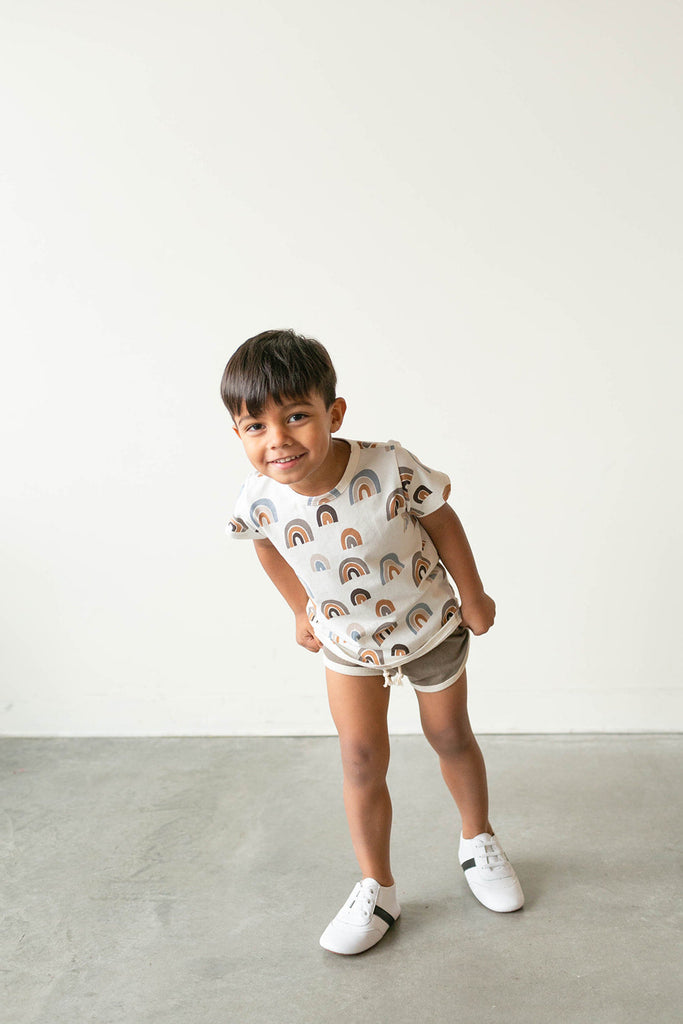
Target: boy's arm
(289,585)
(446,531)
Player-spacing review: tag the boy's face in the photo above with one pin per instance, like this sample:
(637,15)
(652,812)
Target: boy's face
(292,443)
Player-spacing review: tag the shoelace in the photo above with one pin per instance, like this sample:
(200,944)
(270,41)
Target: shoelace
(361,904)
(493,858)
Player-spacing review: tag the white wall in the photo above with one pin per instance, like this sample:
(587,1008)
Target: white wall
(476,206)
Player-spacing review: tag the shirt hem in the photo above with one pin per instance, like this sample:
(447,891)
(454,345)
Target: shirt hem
(438,638)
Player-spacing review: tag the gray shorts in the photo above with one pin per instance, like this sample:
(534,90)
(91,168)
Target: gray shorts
(436,670)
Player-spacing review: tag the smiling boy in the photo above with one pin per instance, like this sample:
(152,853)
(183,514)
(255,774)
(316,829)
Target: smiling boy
(358,538)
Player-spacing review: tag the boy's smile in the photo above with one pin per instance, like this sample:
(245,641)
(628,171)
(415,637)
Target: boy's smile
(293,444)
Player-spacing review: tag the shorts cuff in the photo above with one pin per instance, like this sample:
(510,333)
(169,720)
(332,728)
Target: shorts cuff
(352,670)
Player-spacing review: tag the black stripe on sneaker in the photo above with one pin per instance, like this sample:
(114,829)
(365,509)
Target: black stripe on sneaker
(466,864)
(385,916)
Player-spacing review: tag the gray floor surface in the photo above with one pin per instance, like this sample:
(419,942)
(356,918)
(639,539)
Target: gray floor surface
(187,880)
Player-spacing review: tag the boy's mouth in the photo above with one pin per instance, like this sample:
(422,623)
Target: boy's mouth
(289,460)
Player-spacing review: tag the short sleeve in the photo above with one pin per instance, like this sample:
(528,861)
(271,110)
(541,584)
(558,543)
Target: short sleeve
(241,525)
(426,489)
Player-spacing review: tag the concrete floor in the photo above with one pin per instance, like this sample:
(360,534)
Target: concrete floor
(188,880)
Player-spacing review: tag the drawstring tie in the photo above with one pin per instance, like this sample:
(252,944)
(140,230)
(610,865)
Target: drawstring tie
(396,679)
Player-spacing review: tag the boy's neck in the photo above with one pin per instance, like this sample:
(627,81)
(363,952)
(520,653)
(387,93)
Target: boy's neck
(340,452)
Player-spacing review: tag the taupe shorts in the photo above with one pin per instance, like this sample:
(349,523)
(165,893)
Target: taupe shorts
(436,670)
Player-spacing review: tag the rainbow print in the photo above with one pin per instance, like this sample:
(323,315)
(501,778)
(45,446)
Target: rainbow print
(325,515)
(263,512)
(298,532)
(354,631)
(319,563)
(420,494)
(352,568)
(418,617)
(406,475)
(364,485)
(384,632)
(384,607)
(448,611)
(421,567)
(389,567)
(371,657)
(331,609)
(238,525)
(358,596)
(351,539)
(396,503)
(438,572)
(399,651)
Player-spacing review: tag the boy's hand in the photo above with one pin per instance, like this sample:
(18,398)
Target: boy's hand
(305,635)
(478,614)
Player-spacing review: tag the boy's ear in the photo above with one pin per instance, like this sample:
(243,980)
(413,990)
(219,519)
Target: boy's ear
(236,430)
(338,409)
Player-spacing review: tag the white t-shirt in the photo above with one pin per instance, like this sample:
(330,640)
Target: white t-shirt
(377,591)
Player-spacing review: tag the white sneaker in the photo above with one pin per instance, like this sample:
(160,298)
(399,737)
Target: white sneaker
(365,918)
(489,873)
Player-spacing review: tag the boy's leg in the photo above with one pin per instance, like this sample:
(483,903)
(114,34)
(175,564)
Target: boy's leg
(447,726)
(359,707)
(488,872)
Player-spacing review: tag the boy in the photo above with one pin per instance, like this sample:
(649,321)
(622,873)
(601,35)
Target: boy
(357,538)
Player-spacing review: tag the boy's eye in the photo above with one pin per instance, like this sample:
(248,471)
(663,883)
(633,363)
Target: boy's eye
(253,427)
(297,416)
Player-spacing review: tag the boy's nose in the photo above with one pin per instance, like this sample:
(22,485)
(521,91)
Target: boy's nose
(279,437)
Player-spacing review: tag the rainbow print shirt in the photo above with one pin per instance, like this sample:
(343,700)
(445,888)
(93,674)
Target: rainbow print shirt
(377,591)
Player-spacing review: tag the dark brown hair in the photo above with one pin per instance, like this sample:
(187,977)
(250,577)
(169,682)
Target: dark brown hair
(277,365)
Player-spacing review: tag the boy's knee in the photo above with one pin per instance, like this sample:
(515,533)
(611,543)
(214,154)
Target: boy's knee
(364,763)
(451,740)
